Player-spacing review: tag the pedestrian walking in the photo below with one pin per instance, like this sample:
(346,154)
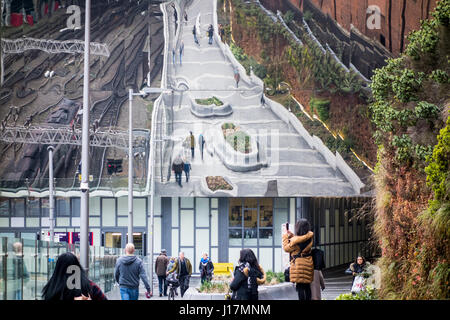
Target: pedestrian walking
(181,51)
(194,32)
(129,269)
(57,287)
(161,263)
(237,77)
(248,275)
(178,167)
(185,18)
(187,168)
(173,55)
(183,268)
(318,283)
(221,32)
(16,272)
(210,33)
(358,270)
(201,143)
(301,262)
(192,144)
(263,100)
(206,268)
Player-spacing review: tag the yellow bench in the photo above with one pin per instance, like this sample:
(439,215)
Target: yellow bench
(223,268)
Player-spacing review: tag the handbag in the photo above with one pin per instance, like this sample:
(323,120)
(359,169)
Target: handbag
(358,284)
(287,272)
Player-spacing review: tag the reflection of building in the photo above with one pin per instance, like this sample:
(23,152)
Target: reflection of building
(197,225)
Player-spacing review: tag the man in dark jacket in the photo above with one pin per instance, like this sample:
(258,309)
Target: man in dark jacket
(206,268)
(129,269)
(160,269)
(183,268)
(177,167)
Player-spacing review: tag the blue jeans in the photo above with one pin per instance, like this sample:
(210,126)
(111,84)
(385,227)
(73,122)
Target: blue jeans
(162,285)
(178,177)
(210,40)
(129,294)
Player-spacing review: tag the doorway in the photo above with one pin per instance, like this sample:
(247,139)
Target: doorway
(117,238)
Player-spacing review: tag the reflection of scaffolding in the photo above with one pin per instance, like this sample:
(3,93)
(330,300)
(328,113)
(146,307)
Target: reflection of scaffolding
(11,46)
(66,135)
(52,46)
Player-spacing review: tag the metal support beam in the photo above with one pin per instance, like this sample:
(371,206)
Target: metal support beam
(47,135)
(52,46)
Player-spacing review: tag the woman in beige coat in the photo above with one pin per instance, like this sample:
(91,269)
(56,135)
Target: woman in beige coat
(301,263)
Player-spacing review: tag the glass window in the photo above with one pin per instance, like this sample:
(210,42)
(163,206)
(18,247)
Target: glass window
(18,207)
(250,237)
(76,207)
(33,207)
(265,237)
(4,207)
(250,203)
(45,207)
(235,218)
(281,203)
(281,216)
(250,218)
(63,207)
(235,236)
(265,213)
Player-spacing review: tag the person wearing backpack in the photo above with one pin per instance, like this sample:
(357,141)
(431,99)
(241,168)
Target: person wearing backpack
(301,263)
(247,276)
(318,283)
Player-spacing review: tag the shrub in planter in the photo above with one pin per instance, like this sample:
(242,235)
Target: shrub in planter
(207,102)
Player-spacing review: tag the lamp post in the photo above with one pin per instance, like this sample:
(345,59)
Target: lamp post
(131,94)
(51,193)
(84,185)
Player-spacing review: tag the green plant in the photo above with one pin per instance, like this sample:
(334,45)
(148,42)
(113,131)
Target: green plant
(214,100)
(288,17)
(368,293)
(322,107)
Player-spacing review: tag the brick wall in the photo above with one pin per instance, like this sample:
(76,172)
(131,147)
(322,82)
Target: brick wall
(405,16)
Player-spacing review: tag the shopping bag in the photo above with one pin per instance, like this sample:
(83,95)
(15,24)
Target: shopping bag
(358,284)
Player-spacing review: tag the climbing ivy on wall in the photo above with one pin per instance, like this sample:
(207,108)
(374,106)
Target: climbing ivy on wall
(410,109)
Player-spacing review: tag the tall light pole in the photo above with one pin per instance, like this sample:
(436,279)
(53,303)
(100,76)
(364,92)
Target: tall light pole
(51,198)
(130,168)
(84,186)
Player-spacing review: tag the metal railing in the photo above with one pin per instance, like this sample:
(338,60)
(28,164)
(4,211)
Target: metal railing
(26,266)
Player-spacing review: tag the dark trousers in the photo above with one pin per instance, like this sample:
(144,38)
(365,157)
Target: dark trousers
(201,148)
(187,175)
(184,283)
(162,284)
(304,291)
(192,151)
(178,177)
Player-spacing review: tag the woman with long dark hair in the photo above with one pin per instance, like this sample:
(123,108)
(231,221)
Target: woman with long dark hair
(247,276)
(64,285)
(301,262)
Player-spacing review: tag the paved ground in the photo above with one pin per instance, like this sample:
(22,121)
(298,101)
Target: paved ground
(298,169)
(336,283)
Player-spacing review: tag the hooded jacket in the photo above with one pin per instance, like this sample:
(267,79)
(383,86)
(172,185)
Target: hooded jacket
(128,271)
(301,267)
